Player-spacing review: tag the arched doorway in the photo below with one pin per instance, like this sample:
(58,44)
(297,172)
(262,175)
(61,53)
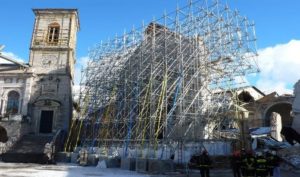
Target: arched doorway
(3,135)
(12,102)
(284,109)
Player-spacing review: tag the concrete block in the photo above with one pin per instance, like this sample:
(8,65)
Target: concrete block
(141,165)
(160,166)
(74,157)
(168,166)
(93,159)
(113,162)
(64,157)
(128,163)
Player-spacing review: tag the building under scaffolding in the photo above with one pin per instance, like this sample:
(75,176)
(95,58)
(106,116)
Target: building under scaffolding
(167,81)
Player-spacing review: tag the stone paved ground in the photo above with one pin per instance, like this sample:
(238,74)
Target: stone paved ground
(72,170)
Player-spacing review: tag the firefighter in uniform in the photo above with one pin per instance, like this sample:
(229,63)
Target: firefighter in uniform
(248,165)
(275,164)
(261,166)
(270,163)
(204,164)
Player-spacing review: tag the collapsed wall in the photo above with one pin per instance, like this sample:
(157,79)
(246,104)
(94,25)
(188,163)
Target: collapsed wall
(296,108)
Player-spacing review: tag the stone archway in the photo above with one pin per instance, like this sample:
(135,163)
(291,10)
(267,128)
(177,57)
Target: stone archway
(3,135)
(282,108)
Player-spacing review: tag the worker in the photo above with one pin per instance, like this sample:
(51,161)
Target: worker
(261,165)
(270,163)
(204,164)
(248,165)
(275,164)
(236,164)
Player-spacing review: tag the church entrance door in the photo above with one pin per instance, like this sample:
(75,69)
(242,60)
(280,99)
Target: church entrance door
(46,122)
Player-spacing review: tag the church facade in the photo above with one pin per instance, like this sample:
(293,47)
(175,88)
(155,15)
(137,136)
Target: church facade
(41,91)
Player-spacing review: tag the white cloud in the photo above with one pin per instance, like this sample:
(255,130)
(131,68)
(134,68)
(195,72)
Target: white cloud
(241,80)
(12,56)
(81,63)
(280,67)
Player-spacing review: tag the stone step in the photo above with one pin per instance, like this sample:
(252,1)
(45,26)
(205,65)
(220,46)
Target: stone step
(29,149)
(31,144)
(24,158)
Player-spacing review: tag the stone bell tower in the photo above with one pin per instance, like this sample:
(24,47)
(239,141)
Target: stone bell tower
(52,60)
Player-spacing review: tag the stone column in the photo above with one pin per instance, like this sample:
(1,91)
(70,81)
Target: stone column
(27,94)
(276,126)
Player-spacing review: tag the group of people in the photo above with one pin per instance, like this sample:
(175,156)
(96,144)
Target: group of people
(248,164)
(244,164)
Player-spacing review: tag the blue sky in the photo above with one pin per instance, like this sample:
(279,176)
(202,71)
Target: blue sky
(277,29)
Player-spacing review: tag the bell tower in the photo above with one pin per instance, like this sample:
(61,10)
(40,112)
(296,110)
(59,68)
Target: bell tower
(52,59)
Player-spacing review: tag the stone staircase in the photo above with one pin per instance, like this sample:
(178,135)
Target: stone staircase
(29,149)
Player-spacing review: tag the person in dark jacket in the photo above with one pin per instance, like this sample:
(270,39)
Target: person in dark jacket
(236,164)
(204,164)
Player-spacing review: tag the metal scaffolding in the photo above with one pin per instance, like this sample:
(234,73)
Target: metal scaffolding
(170,80)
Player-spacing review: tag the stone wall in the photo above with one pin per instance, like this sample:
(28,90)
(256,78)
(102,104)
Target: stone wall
(18,82)
(57,88)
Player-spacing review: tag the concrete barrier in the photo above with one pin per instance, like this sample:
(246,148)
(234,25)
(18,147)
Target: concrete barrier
(141,165)
(113,162)
(93,159)
(160,166)
(128,163)
(64,157)
(74,157)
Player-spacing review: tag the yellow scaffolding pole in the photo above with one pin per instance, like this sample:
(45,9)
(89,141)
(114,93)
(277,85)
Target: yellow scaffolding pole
(69,135)
(160,109)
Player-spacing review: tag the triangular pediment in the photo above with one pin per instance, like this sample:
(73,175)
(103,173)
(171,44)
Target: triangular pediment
(5,60)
